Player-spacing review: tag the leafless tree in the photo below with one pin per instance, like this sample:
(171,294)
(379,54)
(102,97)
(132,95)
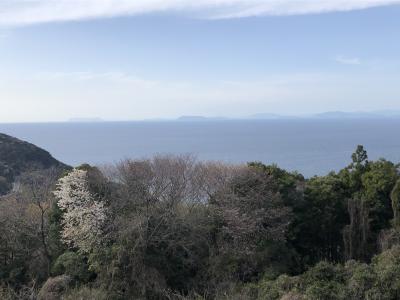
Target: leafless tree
(356,235)
(35,191)
(251,209)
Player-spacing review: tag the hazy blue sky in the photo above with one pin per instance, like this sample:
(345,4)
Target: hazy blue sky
(121,59)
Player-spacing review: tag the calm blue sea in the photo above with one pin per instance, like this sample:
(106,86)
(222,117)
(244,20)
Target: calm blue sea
(309,146)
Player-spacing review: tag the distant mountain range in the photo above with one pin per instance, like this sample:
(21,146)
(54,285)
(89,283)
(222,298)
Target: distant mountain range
(331,115)
(200,118)
(322,116)
(358,115)
(86,120)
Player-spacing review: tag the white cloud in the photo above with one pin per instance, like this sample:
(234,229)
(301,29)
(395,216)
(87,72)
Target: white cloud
(22,12)
(348,60)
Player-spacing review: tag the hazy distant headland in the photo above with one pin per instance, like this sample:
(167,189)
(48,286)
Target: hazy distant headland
(329,115)
(86,120)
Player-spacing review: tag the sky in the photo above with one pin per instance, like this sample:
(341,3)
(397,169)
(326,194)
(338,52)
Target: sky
(149,59)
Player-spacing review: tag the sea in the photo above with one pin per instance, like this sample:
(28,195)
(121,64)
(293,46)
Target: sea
(309,146)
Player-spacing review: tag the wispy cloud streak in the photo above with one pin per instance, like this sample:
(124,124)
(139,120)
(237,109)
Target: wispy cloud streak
(348,60)
(23,12)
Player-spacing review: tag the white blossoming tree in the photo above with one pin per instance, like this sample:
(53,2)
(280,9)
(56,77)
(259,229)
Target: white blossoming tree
(83,216)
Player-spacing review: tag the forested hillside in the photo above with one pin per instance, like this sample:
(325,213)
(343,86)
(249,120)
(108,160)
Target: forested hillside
(172,227)
(18,157)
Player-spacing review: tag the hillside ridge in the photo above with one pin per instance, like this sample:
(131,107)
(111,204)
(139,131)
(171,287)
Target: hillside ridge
(18,157)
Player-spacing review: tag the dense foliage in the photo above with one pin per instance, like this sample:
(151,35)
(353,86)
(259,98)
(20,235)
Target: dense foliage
(172,227)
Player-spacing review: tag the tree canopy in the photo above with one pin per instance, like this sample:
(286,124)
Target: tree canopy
(173,227)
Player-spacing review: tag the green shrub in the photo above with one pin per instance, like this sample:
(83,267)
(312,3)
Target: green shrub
(361,279)
(74,265)
(54,288)
(275,289)
(86,293)
(387,269)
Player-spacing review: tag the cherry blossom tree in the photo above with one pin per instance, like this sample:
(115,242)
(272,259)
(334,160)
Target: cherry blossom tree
(83,216)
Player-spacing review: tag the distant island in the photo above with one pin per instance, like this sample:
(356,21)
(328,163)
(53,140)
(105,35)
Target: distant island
(86,120)
(199,118)
(330,115)
(357,115)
